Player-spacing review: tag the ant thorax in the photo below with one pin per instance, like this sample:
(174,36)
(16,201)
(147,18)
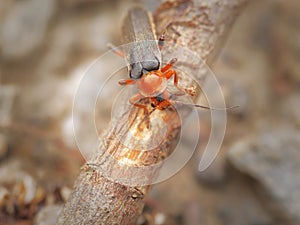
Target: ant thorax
(152,84)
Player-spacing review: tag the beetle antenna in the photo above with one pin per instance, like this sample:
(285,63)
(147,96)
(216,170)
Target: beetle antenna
(116,50)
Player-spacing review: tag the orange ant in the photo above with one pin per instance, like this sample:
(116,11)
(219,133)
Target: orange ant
(153,85)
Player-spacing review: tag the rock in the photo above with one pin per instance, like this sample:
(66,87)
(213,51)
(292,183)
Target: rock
(214,175)
(24,27)
(193,213)
(54,98)
(47,215)
(244,213)
(236,95)
(272,158)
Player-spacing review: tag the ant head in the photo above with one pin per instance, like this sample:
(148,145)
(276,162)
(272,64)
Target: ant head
(152,84)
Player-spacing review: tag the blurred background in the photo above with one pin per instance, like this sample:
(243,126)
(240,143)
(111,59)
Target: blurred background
(46,45)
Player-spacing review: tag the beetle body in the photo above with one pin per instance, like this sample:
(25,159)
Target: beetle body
(144,54)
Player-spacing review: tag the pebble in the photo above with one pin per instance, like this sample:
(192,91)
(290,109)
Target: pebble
(47,215)
(65,193)
(272,158)
(24,27)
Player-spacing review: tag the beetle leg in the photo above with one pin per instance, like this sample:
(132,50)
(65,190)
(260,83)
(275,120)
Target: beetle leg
(161,41)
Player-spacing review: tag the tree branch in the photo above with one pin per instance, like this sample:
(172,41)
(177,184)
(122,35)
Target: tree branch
(97,198)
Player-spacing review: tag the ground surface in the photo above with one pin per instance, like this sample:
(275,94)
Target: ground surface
(45,47)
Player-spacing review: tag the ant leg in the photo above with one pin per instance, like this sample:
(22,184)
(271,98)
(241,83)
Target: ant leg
(127,82)
(146,119)
(116,50)
(203,106)
(134,99)
(171,73)
(163,103)
(169,65)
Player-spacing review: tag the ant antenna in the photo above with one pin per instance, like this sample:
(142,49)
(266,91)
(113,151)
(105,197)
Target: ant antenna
(206,107)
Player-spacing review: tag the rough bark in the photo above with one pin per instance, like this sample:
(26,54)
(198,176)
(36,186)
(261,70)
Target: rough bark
(97,198)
